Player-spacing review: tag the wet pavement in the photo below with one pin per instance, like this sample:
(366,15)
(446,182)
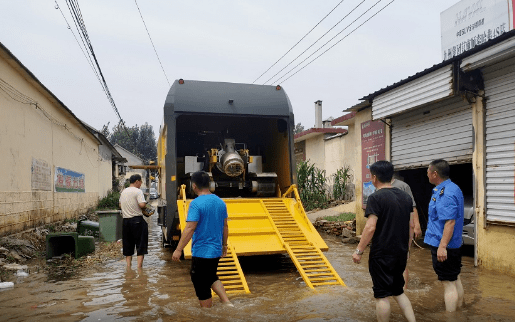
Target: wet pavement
(162,291)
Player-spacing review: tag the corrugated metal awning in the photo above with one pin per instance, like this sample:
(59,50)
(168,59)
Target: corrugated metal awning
(489,56)
(428,88)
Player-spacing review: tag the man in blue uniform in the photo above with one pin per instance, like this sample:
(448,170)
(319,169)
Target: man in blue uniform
(206,226)
(444,232)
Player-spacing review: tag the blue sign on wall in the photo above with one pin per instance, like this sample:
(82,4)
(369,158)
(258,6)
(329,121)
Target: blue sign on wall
(69,181)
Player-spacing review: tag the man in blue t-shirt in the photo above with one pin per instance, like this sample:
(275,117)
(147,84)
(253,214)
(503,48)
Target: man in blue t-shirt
(444,232)
(206,226)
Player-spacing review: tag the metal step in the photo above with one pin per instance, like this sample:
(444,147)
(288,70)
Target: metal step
(230,274)
(312,265)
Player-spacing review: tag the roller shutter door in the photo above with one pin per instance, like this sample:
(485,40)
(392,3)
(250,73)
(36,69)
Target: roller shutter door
(437,131)
(500,141)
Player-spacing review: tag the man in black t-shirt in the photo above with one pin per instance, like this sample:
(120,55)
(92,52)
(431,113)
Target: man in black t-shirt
(389,226)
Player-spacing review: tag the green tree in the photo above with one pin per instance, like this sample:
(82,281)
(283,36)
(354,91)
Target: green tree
(139,140)
(298,128)
(146,144)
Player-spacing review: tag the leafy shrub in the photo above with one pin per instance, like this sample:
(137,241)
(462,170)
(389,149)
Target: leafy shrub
(312,186)
(341,178)
(111,201)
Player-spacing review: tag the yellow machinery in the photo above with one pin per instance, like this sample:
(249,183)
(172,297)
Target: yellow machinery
(269,226)
(242,136)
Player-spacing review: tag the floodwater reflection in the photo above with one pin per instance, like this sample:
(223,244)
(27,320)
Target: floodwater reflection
(162,291)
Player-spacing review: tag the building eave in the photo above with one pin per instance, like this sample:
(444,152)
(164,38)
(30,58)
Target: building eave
(344,120)
(117,146)
(116,155)
(315,132)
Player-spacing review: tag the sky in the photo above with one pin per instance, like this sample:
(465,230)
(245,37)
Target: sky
(227,41)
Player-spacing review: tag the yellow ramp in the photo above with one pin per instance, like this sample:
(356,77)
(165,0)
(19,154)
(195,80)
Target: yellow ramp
(274,226)
(312,265)
(230,274)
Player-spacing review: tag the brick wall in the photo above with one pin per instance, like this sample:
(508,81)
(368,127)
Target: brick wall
(28,209)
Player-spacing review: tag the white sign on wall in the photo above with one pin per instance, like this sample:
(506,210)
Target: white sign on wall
(41,175)
(470,23)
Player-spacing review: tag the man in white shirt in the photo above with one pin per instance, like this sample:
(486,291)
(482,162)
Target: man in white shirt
(135,228)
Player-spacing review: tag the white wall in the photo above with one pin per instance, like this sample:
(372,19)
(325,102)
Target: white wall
(48,133)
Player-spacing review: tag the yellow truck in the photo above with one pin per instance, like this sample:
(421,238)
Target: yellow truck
(242,136)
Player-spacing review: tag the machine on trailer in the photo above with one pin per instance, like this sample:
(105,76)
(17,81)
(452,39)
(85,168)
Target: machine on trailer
(242,136)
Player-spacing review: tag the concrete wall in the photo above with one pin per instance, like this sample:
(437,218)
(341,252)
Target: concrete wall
(359,118)
(105,171)
(334,151)
(315,151)
(47,133)
(340,153)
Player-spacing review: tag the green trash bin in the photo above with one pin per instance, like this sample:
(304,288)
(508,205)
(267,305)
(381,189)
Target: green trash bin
(110,222)
(58,244)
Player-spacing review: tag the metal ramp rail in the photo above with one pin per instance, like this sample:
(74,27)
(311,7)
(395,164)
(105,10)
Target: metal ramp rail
(230,274)
(268,226)
(311,263)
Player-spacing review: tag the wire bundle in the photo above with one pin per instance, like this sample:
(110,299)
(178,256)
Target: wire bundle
(277,80)
(87,50)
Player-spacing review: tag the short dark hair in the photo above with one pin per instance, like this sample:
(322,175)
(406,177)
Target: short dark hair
(201,179)
(383,170)
(441,167)
(134,178)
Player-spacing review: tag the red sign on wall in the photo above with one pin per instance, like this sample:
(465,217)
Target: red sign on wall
(373,141)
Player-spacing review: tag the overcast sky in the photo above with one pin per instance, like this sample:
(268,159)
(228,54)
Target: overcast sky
(229,41)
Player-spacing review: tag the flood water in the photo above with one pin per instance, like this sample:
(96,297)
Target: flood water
(162,291)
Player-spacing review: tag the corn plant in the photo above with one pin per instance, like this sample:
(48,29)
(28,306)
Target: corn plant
(341,178)
(312,186)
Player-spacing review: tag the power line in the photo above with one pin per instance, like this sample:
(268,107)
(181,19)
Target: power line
(68,25)
(85,46)
(297,42)
(336,42)
(153,42)
(74,8)
(356,7)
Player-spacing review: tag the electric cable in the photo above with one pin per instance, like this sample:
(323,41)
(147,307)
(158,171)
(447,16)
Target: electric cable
(76,13)
(297,42)
(334,43)
(79,29)
(148,33)
(356,7)
(68,25)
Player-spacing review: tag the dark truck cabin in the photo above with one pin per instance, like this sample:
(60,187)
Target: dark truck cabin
(262,136)
(200,115)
